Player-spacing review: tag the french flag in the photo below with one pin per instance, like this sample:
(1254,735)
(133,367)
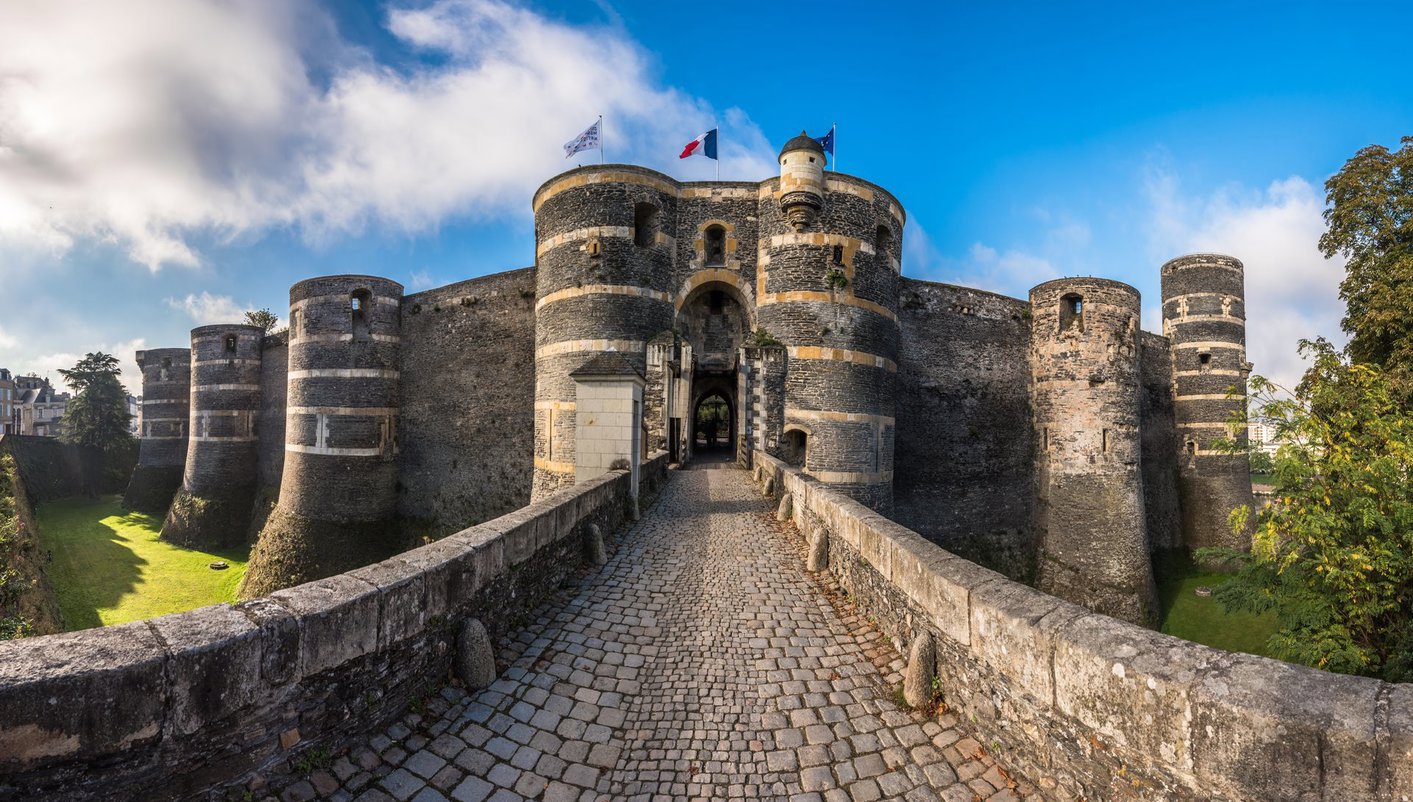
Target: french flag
(704,145)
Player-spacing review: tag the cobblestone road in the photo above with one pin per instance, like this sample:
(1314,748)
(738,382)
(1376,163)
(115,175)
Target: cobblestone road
(701,663)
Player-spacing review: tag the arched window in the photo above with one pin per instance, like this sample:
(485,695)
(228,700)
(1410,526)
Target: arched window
(837,256)
(882,242)
(645,225)
(358,309)
(1072,312)
(715,237)
(796,447)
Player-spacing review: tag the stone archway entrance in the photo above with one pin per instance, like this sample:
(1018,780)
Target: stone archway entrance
(714,320)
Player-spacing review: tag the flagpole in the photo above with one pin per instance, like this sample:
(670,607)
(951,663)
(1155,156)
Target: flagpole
(602,158)
(834,129)
(718,154)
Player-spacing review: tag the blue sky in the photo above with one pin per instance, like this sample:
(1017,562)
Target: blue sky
(164,165)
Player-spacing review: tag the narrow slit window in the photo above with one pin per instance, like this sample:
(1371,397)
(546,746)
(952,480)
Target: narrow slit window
(715,244)
(1072,312)
(358,312)
(882,242)
(838,255)
(231,344)
(645,225)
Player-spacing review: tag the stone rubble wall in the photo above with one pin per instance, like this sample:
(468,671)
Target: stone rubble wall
(183,705)
(1089,707)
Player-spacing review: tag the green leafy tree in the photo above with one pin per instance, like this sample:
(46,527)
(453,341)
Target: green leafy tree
(1333,553)
(1262,463)
(98,414)
(263,318)
(1370,219)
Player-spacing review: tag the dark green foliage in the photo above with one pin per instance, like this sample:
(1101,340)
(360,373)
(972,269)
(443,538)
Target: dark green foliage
(1262,463)
(1333,554)
(1370,219)
(98,416)
(263,318)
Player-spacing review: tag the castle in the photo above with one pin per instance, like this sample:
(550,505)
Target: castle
(1050,439)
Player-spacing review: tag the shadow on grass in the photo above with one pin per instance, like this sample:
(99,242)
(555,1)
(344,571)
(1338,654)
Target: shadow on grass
(109,566)
(1203,619)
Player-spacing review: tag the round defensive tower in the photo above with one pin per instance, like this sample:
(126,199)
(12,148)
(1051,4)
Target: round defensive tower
(1085,391)
(338,491)
(166,405)
(827,287)
(604,257)
(212,509)
(1204,314)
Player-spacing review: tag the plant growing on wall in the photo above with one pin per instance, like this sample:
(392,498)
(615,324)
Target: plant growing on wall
(835,279)
(760,338)
(1333,554)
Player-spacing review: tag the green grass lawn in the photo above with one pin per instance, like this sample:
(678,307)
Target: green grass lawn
(110,568)
(1262,478)
(1202,620)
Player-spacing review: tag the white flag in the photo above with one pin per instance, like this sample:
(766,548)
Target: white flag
(585,141)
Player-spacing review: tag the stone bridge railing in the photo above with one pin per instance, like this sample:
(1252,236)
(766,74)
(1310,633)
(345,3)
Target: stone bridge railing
(174,707)
(1094,708)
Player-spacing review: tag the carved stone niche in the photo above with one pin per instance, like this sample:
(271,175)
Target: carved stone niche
(801,209)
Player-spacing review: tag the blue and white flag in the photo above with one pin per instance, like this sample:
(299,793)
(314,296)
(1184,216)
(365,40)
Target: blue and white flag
(827,141)
(585,141)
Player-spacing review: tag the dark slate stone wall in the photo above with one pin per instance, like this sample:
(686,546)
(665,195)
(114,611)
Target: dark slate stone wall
(1204,313)
(274,395)
(1160,443)
(1090,521)
(965,446)
(468,392)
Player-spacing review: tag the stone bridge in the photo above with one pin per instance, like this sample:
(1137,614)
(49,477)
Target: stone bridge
(703,661)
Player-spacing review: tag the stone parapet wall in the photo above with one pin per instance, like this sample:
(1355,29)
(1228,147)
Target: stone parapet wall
(1090,707)
(177,706)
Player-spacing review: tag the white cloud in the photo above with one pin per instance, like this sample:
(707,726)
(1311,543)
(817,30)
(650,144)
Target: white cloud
(7,340)
(1292,291)
(422,280)
(1010,271)
(117,128)
(207,309)
(48,365)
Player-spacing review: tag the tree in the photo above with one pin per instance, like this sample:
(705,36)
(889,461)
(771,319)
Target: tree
(1370,219)
(263,318)
(98,415)
(1262,463)
(1333,553)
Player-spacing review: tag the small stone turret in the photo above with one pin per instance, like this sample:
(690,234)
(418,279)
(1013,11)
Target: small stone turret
(166,405)
(801,181)
(338,490)
(1204,314)
(1090,521)
(212,510)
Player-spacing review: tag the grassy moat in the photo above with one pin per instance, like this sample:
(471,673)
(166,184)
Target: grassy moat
(1202,619)
(110,567)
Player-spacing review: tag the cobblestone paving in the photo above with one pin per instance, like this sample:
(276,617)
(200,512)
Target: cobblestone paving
(701,663)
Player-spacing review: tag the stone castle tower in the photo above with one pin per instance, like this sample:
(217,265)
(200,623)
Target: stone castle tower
(338,491)
(1204,313)
(1090,520)
(166,405)
(1048,438)
(212,509)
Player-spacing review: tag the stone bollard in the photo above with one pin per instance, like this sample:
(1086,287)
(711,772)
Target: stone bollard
(474,661)
(819,550)
(769,489)
(784,511)
(755,475)
(594,550)
(922,666)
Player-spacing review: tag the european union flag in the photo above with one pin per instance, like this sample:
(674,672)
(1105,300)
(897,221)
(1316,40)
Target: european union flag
(827,142)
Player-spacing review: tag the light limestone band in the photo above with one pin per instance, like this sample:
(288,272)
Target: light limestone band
(579,346)
(851,477)
(840,298)
(343,411)
(849,417)
(602,289)
(200,387)
(842,355)
(332,451)
(553,467)
(344,373)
